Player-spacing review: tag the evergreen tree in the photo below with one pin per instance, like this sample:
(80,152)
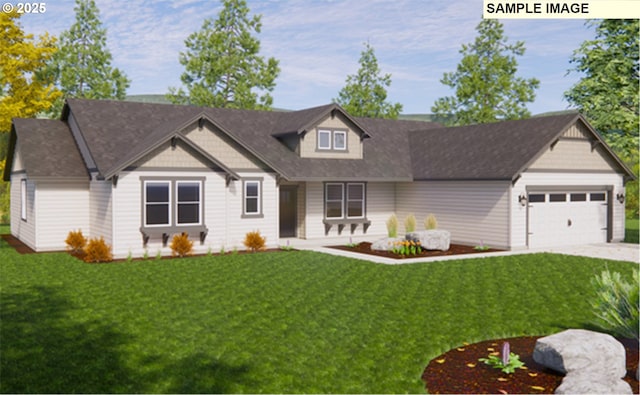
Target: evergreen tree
(485,82)
(365,93)
(223,67)
(608,94)
(82,65)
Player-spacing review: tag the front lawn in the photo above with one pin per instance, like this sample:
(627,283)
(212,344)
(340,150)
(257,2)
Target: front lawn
(271,322)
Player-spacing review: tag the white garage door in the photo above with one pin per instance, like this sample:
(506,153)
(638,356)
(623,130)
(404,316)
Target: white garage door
(567,218)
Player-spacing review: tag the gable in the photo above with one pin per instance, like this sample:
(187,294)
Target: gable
(309,141)
(172,156)
(576,149)
(223,148)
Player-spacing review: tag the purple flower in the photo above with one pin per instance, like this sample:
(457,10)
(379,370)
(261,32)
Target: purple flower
(505,353)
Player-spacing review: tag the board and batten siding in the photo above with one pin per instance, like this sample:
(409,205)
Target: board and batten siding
(473,211)
(101,210)
(62,206)
(380,204)
(564,181)
(23,230)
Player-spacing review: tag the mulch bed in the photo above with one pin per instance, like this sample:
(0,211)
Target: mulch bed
(19,246)
(458,371)
(454,249)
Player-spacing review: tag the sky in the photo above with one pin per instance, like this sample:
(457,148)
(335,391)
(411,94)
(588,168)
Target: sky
(318,44)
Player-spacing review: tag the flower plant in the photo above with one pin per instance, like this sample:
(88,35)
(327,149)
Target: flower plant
(508,362)
(406,247)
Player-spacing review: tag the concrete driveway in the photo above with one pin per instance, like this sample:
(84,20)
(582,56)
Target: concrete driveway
(614,251)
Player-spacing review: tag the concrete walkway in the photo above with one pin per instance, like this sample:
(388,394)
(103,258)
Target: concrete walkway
(613,251)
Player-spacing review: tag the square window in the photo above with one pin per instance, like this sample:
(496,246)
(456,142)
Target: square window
(355,200)
(334,195)
(598,197)
(188,202)
(557,197)
(324,139)
(578,197)
(536,197)
(340,140)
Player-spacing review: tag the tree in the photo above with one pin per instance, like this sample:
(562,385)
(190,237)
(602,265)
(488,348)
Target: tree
(485,82)
(222,65)
(608,94)
(365,93)
(24,92)
(82,64)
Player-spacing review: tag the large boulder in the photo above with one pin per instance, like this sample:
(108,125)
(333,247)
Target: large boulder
(586,382)
(576,349)
(386,243)
(593,362)
(431,239)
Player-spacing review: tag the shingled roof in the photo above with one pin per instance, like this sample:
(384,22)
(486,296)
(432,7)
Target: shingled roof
(118,133)
(47,149)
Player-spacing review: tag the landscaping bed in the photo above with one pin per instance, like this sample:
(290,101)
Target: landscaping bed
(458,371)
(454,249)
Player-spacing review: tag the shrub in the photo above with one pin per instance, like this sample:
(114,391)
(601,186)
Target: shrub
(616,303)
(76,241)
(97,251)
(431,222)
(392,226)
(410,223)
(254,241)
(181,245)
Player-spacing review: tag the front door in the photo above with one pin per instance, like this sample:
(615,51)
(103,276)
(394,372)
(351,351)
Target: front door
(288,206)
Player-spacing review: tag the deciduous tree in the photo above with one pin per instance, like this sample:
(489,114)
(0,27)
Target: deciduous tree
(223,67)
(365,93)
(485,82)
(608,93)
(82,64)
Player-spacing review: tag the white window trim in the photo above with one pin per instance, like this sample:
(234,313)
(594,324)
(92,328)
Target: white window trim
(147,225)
(330,139)
(177,202)
(336,133)
(258,198)
(326,200)
(23,199)
(362,201)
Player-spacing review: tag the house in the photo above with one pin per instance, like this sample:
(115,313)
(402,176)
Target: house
(138,173)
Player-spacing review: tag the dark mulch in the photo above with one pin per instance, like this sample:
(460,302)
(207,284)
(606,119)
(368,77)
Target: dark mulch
(19,246)
(458,371)
(454,249)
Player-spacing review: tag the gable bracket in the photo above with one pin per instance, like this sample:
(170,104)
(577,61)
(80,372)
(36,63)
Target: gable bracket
(114,180)
(516,179)
(174,141)
(594,144)
(201,123)
(554,144)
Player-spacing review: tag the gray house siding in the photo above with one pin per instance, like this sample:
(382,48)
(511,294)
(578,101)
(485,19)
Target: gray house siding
(473,211)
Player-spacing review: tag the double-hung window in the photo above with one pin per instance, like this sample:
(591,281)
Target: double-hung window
(252,200)
(188,202)
(344,200)
(172,203)
(157,203)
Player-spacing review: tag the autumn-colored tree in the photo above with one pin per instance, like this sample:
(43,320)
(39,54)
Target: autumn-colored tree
(24,92)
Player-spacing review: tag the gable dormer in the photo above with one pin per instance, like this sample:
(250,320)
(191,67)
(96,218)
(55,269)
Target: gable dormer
(329,133)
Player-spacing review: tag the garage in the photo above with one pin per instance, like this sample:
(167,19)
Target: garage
(567,217)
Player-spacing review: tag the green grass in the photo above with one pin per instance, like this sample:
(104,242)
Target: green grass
(271,322)
(632,233)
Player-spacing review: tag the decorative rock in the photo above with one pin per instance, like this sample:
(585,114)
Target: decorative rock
(594,363)
(576,349)
(586,382)
(431,239)
(385,244)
